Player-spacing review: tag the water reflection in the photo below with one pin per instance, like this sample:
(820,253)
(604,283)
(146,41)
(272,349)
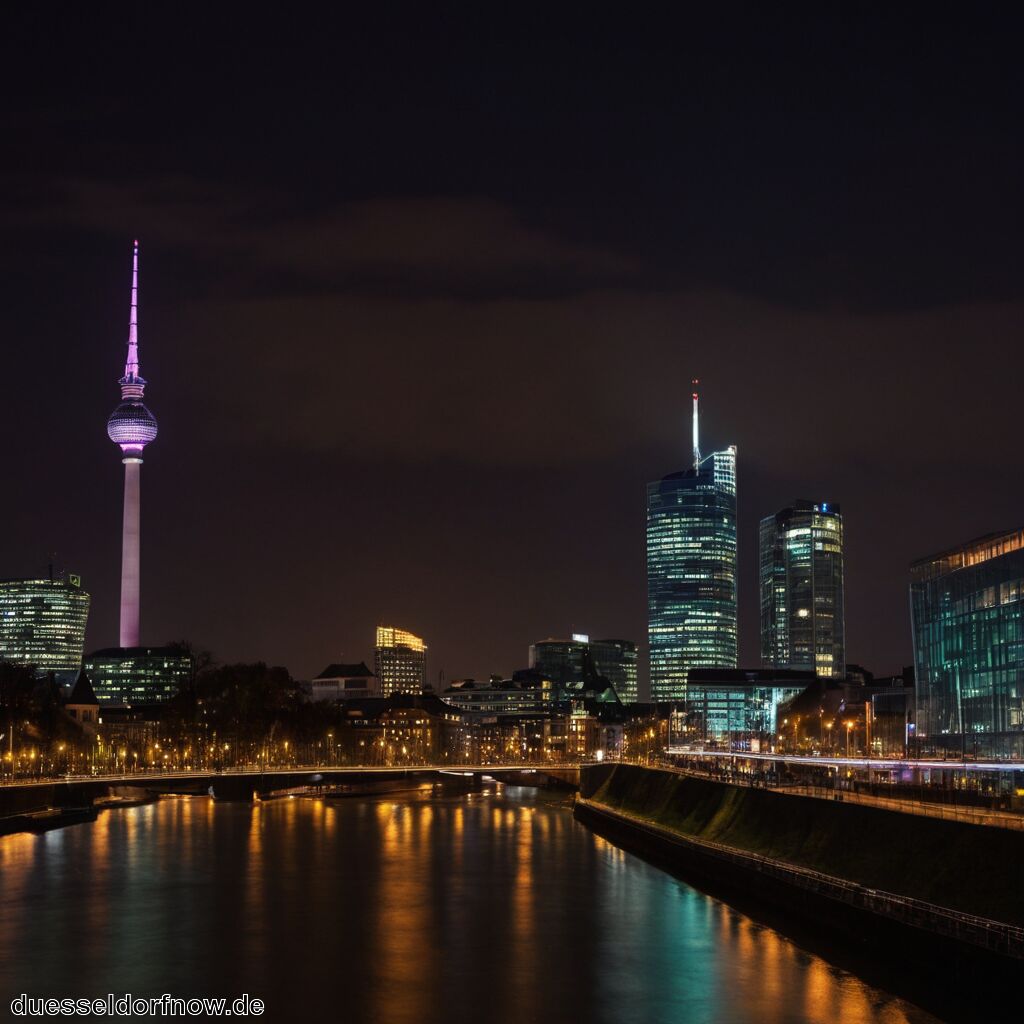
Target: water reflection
(495,907)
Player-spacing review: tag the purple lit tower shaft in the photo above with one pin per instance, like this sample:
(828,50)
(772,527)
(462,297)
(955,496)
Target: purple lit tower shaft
(131,426)
(130,537)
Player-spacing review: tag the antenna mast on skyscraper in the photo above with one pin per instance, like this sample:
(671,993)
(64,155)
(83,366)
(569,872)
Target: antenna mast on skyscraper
(696,427)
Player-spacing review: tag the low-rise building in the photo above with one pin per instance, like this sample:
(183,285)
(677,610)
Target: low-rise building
(527,694)
(139,675)
(739,708)
(345,682)
(82,704)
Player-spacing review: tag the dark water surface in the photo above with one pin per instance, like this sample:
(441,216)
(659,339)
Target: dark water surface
(483,907)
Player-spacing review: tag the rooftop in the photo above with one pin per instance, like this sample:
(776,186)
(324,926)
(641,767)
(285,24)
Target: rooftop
(974,552)
(135,652)
(346,671)
(82,692)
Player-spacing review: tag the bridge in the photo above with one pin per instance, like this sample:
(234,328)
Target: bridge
(251,782)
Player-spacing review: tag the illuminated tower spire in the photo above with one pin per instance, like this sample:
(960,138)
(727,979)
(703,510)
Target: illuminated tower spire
(131,366)
(696,427)
(131,426)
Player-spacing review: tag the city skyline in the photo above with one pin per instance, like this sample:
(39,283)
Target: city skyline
(453,357)
(586,518)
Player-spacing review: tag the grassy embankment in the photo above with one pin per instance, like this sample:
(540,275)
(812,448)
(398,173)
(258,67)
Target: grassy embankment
(973,868)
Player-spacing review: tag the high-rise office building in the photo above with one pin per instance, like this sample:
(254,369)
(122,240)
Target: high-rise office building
(400,661)
(42,623)
(563,661)
(801,577)
(138,675)
(691,569)
(131,427)
(967,611)
(616,661)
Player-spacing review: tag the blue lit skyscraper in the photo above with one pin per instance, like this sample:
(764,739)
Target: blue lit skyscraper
(691,569)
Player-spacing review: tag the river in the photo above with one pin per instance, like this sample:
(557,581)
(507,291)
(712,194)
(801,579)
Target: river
(491,907)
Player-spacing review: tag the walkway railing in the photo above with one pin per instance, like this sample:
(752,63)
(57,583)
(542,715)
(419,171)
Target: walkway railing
(997,936)
(949,812)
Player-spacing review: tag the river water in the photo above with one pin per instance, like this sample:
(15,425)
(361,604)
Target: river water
(490,907)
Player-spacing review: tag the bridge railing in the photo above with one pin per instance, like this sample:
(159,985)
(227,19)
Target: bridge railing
(263,769)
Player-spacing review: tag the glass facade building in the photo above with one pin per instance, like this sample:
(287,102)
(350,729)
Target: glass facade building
(400,661)
(738,709)
(138,675)
(616,661)
(562,661)
(691,572)
(801,584)
(42,623)
(967,613)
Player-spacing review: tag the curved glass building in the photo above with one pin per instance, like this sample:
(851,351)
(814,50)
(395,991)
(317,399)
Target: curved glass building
(42,623)
(801,579)
(691,570)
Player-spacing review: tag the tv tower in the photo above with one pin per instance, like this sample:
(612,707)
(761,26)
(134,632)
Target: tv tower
(131,426)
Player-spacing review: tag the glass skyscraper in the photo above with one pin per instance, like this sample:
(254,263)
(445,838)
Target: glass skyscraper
(616,661)
(801,577)
(691,570)
(42,623)
(562,661)
(967,611)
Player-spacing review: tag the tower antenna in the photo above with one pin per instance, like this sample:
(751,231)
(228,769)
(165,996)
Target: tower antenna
(696,426)
(131,366)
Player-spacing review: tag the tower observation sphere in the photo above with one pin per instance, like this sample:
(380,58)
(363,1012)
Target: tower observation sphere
(132,426)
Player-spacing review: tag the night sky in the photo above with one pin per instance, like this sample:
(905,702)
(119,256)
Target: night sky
(421,298)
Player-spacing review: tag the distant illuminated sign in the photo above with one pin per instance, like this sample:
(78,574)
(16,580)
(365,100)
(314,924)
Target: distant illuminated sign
(581,638)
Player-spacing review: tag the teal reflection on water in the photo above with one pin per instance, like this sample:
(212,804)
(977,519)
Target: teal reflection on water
(492,907)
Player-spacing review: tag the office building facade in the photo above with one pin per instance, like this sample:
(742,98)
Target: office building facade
(564,662)
(801,590)
(138,675)
(967,612)
(42,623)
(691,570)
(616,661)
(400,661)
(738,708)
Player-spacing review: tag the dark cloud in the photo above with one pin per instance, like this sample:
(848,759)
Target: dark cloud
(435,246)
